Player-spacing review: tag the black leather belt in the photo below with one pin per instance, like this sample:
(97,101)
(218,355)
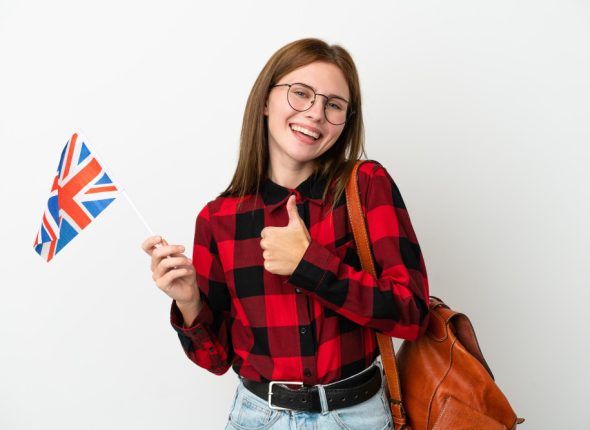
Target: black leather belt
(340,394)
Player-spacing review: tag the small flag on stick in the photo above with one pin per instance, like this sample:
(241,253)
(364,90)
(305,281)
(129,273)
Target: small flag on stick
(81,190)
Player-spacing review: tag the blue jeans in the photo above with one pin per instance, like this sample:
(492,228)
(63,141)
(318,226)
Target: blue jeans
(250,412)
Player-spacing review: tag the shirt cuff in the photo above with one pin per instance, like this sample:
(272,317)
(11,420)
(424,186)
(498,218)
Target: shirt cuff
(313,267)
(197,330)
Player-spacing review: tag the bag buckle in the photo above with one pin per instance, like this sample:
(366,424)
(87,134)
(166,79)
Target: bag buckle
(271,383)
(401,406)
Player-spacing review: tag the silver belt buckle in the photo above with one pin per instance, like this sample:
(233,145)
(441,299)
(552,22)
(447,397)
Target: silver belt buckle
(271,383)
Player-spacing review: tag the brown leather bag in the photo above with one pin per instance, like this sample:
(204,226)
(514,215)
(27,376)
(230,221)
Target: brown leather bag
(442,377)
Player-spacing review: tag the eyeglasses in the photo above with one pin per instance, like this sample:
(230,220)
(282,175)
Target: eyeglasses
(301,97)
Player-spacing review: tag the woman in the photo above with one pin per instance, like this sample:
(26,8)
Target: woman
(275,288)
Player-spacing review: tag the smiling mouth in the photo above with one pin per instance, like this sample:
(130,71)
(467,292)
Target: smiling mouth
(305,131)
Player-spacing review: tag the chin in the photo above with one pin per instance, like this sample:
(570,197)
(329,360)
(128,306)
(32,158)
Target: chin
(304,156)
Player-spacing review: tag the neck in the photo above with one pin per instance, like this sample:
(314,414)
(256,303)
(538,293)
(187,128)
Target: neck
(290,177)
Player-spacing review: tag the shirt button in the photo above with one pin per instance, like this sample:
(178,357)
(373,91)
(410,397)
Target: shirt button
(303,330)
(307,372)
(298,290)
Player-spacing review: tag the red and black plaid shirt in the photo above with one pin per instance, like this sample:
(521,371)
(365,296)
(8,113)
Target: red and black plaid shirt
(316,325)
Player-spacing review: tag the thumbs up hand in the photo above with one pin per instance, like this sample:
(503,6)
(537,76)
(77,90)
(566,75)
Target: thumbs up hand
(284,247)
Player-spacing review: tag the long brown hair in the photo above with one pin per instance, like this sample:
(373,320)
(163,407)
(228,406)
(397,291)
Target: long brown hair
(336,163)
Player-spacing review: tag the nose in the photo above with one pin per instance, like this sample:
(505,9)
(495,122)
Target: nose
(316,111)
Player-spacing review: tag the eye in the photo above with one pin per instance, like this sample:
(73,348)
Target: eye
(302,92)
(336,105)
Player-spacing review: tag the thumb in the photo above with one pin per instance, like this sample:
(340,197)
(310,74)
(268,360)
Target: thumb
(292,210)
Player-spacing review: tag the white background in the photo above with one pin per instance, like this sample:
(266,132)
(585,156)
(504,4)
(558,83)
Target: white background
(479,110)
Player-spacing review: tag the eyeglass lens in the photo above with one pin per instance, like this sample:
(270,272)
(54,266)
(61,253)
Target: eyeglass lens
(301,98)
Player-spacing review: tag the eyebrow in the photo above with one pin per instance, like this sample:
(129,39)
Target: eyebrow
(329,95)
(333,96)
(336,96)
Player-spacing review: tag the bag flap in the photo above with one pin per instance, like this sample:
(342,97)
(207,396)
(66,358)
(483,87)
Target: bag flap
(443,319)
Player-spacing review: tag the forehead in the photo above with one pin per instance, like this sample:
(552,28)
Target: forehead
(325,78)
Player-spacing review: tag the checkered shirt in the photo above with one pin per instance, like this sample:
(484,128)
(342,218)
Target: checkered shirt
(316,325)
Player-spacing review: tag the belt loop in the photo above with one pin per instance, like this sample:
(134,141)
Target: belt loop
(379,364)
(323,399)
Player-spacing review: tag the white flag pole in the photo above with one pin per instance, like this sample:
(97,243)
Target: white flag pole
(92,148)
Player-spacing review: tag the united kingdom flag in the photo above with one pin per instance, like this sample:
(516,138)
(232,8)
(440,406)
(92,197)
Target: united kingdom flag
(80,191)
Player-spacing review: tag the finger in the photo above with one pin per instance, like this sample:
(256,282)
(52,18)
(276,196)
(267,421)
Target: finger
(164,282)
(165,251)
(168,263)
(268,232)
(292,210)
(161,271)
(178,252)
(168,250)
(268,266)
(149,244)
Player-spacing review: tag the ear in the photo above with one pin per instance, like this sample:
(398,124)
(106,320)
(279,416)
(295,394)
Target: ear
(266,108)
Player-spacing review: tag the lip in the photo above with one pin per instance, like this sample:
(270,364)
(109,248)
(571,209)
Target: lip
(315,130)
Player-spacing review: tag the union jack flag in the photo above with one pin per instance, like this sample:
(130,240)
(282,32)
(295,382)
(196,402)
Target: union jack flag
(80,191)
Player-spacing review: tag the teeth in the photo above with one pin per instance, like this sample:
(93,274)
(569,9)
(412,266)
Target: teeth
(305,131)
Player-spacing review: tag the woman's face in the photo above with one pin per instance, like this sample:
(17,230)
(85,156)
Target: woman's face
(289,140)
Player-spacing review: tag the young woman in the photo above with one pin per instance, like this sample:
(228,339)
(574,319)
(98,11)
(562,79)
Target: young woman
(275,288)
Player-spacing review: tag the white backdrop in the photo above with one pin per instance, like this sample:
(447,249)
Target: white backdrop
(479,110)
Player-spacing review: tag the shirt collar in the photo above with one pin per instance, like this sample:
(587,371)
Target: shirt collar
(275,195)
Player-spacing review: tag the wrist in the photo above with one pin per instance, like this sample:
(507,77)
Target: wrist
(191,305)
(305,246)
(189,312)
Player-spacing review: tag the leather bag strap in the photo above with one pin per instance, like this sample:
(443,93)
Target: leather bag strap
(361,238)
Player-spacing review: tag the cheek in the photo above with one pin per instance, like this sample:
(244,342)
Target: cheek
(335,134)
(277,107)
(277,117)
(274,126)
